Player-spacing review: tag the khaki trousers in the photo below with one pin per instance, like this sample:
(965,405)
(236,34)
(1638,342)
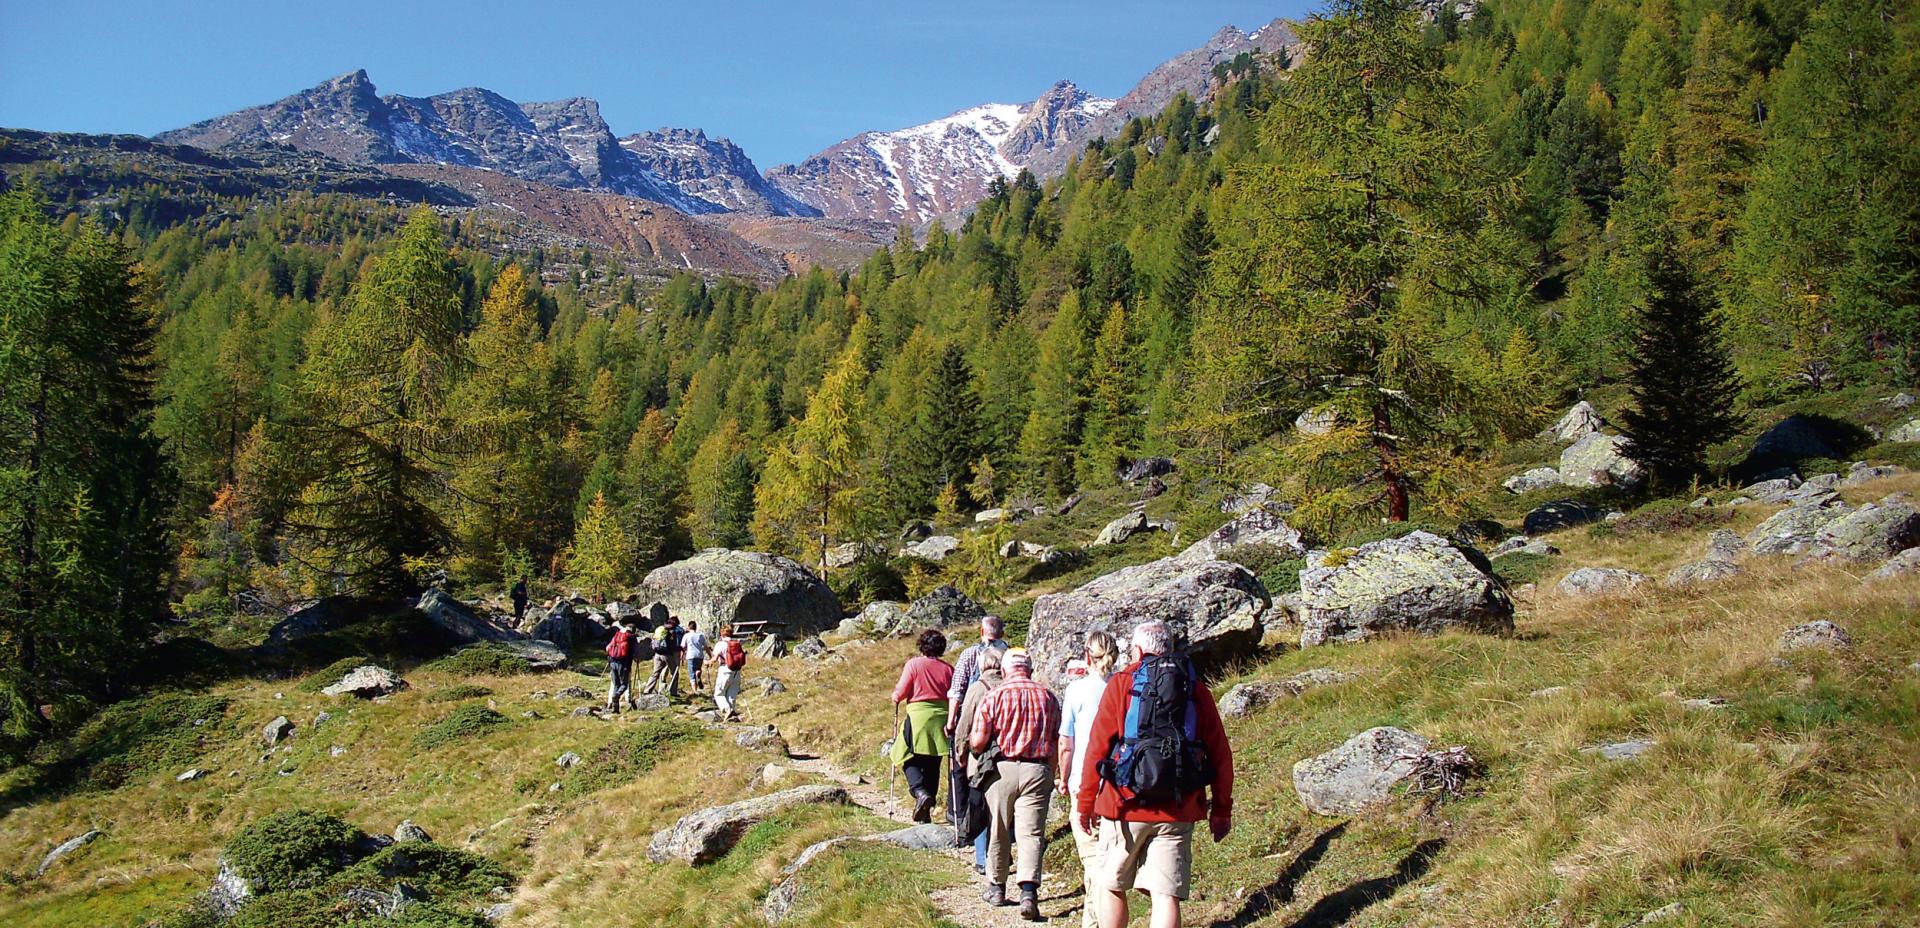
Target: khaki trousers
(1087,845)
(1017,801)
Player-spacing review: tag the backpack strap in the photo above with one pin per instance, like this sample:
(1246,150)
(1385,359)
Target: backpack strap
(1130,733)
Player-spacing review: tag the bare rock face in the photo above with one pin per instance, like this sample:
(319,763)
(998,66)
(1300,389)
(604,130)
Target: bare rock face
(1419,583)
(1905,431)
(366,682)
(1358,775)
(1599,460)
(1579,422)
(1213,607)
(719,586)
(1796,529)
(1256,527)
(705,836)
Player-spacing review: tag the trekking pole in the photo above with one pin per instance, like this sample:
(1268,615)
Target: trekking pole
(891,767)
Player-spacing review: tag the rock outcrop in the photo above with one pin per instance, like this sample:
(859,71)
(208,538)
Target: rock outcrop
(1579,422)
(1257,527)
(1419,583)
(1357,775)
(366,682)
(458,619)
(1796,529)
(1599,460)
(705,836)
(1123,528)
(1874,532)
(1213,607)
(933,548)
(720,586)
(1539,478)
(1818,635)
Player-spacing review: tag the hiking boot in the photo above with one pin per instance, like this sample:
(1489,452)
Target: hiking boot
(923,808)
(996,894)
(1030,903)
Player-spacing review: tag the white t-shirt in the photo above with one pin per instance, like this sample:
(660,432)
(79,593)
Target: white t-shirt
(696,645)
(1077,709)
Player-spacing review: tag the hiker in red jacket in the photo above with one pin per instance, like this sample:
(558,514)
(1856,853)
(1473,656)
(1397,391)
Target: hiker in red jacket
(1143,808)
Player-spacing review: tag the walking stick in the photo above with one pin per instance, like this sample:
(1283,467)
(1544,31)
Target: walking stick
(892,768)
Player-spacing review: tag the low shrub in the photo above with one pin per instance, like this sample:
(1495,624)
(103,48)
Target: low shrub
(631,754)
(483,660)
(1661,517)
(127,741)
(458,692)
(1278,570)
(331,674)
(441,871)
(468,721)
(294,850)
(1517,569)
(869,580)
(1016,617)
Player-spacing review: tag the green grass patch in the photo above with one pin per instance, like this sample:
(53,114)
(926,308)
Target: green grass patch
(124,742)
(1520,569)
(1279,571)
(480,660)
(458,692)
(469,721)
(631,754)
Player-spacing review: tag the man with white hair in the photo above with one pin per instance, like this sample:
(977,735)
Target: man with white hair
(1157,762)
(967,668)
(1021,720)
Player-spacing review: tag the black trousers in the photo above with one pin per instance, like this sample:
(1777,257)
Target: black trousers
(923,774)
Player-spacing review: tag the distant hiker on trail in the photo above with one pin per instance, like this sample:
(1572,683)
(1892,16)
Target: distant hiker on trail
(732,654)
(968,666)
(620,666)
(519,596)
(1021,722)
(1078,708)
(920,740)
(695,646)
(1146,775)
(966,801)
(666,658)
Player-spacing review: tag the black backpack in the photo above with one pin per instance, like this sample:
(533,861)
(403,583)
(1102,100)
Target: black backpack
(1160,760)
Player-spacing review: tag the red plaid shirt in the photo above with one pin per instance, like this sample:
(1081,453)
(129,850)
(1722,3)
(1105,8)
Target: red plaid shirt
(1022,718)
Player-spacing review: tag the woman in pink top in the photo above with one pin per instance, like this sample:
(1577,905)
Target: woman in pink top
(922,738)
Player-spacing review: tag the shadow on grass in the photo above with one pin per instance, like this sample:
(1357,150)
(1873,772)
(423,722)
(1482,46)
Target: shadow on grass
(1338,908)
(1280,892)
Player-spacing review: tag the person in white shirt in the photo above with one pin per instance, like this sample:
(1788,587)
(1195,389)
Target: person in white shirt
(1077,710)
(695,645)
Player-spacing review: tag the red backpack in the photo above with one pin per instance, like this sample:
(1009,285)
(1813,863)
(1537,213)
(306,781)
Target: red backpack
(733,655)
(621,647)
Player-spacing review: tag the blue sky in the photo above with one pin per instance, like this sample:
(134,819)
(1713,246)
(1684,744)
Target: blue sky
(781,79)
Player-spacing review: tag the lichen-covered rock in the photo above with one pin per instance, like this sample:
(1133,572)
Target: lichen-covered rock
(719,586)
(409,833)
(458,619)
(1860,472)
(1123,528)
(1820,635)
(276,731)
(1795,529)
(1248,698)
(1905,431)
(1253,496)
(541,655)
(705,836)
(1724,545)
(65,849)
(1357,775)
(944,607)
(1873,532)
(1701,573)
(1903,564)
(366,682)
(1257,527)
(1419,582)
(1539,478)
(765,740)
(1213,607)
(1589,582)
(1599,460)
(1579,422)
(884,617)
(933,548)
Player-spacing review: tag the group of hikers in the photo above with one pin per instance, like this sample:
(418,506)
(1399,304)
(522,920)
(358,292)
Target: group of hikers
(670,645)
(1138,750)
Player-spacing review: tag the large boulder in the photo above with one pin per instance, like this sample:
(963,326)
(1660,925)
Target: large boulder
(458,619)
(1873,532)
(1213,607)
(944,607)
(1796,529)
(1248,698)
(1579,422)
(1904,564)
(366,682)
(1789,441)
(1123,528)
(318,617)
(1599,460)
(1357,775)
(1420,582)
(1146,469)
(719,586)
(705,836)
(1905,431)
(933,548)
(1591,582)
(1539,478)
(543,655)
(1559,514)
(572,626)
(1257,527)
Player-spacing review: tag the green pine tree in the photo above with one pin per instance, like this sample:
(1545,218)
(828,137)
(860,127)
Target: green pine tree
(1682,384)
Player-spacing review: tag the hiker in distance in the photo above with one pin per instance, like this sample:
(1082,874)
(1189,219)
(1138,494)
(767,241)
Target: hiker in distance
(519,596)
(1149,771)
(620,666)
(1021,721)
(694,645)
(732,654)
(972,772)
(1080,705)
(968,667)
(666,656)
(920,739)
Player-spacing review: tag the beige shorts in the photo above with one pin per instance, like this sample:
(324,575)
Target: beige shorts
(1154,857)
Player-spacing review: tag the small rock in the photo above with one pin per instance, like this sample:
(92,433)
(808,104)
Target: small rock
(409,833)
(1247,698)
(1701,573)
(1900,565)
(811,648)
(704,836)
(366,682)
(497,912)
(190,775)
(1123,528)
(67,847)
(1356,775)
(1821,634)
(1620,750)
(768,686)
(567,759)
(322,719)
(1668,912)
(652,702)
(1539,478)
(1560,514)
(708,716)
(935,548)
(773,773)
(763,740)
(588,712)
(1708,702)
(336,751)
(574,692)
(1548,691)
(276,731)
(1599,581)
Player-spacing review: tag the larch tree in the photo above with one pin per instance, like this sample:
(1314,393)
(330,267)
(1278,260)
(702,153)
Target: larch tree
(603,560)
(1111,434)
(1050,439)
(1715,139)
(810,490)
(655,493)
